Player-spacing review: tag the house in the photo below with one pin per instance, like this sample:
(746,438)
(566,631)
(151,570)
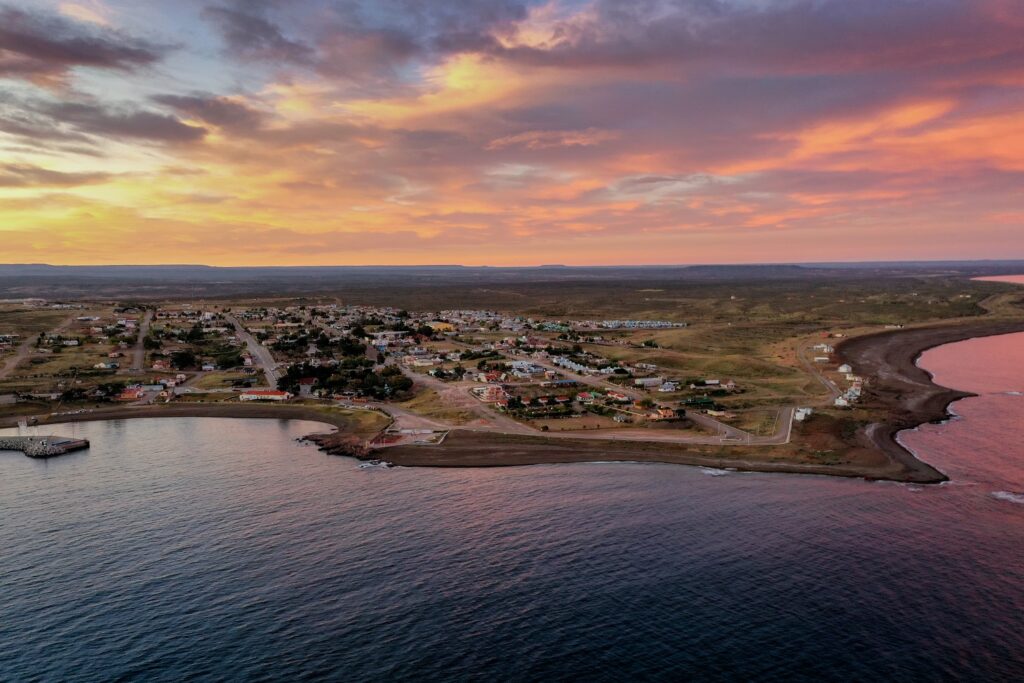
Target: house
(618,397)
(668,387)
(802,414)
(264,395)
(842,402)
(130,394)
(306,385)
(208,367)
(648,382)
(845,368)
(492,394)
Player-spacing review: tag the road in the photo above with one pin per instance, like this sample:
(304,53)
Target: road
(139,352)
(25,348)
(815,370)
(726,433)
(258,351)
(457,395)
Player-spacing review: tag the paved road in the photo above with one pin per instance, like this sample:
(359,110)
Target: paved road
(25,348)
(456,395)
(724,432)
(139,352)
(257,350)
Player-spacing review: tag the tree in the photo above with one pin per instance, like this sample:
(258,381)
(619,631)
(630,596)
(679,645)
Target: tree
(183,359)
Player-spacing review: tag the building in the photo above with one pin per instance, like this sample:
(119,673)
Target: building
(648,382)
(130,394)
(264,395)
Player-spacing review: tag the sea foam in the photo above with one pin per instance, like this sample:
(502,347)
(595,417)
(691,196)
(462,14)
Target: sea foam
(712,472)
(1009,496)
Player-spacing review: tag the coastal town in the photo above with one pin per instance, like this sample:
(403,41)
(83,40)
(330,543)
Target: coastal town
(427,372)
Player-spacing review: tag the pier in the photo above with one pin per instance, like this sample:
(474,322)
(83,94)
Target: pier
(42,446)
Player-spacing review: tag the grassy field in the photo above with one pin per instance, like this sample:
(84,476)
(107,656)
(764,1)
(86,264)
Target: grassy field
(31,321)
(757,422)
(428,404)
(221,379)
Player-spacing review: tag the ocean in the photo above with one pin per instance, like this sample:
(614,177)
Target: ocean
(218,549)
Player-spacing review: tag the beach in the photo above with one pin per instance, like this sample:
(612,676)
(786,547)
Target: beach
(905,391)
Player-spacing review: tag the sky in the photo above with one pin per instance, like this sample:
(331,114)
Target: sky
(510,132)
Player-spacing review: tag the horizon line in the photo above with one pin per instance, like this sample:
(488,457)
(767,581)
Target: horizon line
(521,267)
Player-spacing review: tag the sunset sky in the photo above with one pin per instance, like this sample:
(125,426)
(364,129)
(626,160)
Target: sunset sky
(508,132)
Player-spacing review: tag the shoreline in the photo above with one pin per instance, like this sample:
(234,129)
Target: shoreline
(888,360)
(906,391)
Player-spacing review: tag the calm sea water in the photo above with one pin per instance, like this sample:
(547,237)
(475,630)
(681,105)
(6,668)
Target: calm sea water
(203,549)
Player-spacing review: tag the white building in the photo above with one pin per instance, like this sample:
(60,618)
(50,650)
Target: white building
(264,395)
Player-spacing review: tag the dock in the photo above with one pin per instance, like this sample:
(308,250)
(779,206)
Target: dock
(42,446)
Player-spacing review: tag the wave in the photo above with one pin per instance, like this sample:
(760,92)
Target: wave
(1009,496)
(712,472)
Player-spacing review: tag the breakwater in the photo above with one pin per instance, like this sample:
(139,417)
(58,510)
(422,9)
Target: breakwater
(42,446)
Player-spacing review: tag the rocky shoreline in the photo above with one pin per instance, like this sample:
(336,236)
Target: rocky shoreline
(906,392)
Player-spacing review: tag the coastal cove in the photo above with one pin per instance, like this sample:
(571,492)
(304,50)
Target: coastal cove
(219,546)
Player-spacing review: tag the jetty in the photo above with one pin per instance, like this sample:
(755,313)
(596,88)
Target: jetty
(42,446)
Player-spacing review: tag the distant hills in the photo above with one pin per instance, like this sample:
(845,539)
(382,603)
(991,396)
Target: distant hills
(49,281)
